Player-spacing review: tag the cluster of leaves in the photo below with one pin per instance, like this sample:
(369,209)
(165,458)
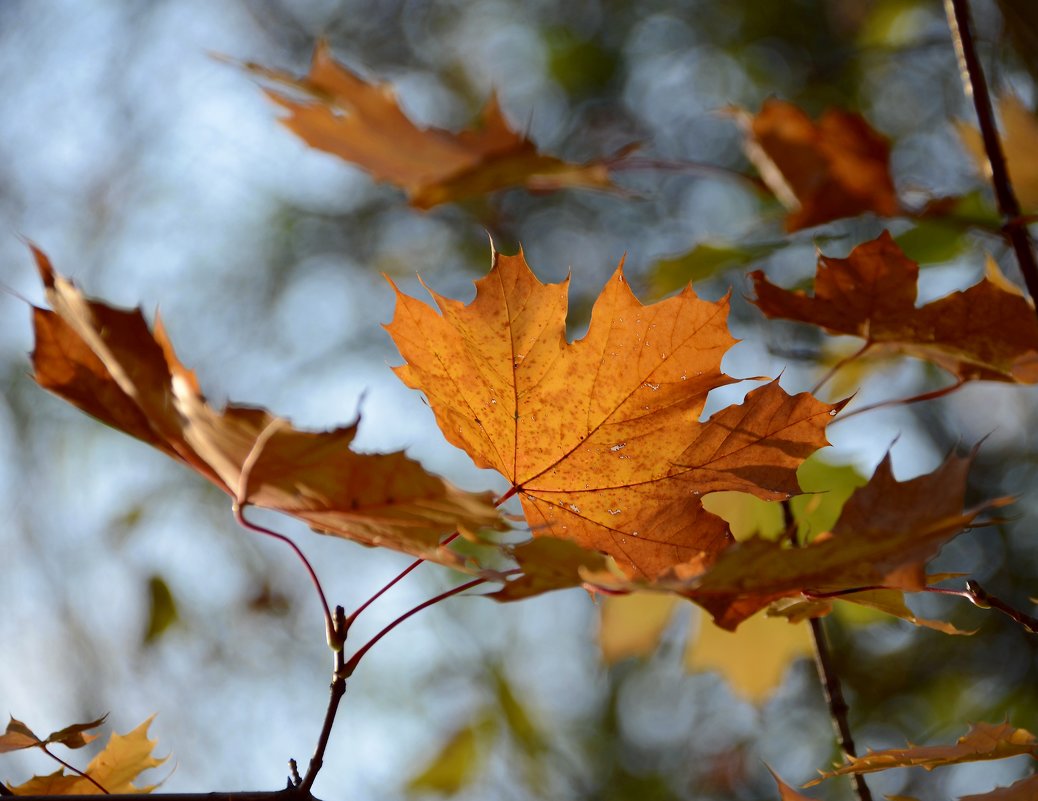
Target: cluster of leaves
(600,439)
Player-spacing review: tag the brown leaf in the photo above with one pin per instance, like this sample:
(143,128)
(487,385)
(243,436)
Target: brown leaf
(988,331)
(361,122)
(19,736)
(1023,790)
(115,769)
(111,365)
(600,438)
(886,533)
(983,741)
(837,167)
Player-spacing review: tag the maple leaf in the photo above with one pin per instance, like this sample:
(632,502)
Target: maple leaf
(837,167)
(1023,790)
(1019,141)
(109,363)
(754,659)
(988,331)
(600,438)
(123,759)
(891,602)
(984,741)
(361,122)
(18,736)
(886,533)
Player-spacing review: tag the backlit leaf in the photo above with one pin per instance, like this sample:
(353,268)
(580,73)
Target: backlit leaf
(983,741)
(109,363)
(335,110)
(837,167)
(600,438)
(988,331)
(115,769)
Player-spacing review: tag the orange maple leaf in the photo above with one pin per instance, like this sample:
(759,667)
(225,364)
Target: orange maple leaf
(837,167)
(984,741)
(109,363)
(988,331)
(601,437)
(361,122)
(886,533)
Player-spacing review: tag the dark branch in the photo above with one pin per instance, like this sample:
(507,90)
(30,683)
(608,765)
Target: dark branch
(830,679)
(279,795)
(1014,225)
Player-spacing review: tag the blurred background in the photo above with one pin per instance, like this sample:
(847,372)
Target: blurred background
(154,174)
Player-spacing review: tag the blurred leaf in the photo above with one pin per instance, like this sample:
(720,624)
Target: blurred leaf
(1019,142)
(533,742)
(631,625)
(580,66)
(820,171)
(827,487)
(753,659)
(746,515)
(705,260)
(459,760)
(162,609)
(932,241)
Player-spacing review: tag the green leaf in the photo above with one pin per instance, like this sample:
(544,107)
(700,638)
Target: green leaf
(162,609)
(704,261)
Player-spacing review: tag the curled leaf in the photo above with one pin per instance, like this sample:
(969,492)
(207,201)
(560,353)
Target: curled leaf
(335,110)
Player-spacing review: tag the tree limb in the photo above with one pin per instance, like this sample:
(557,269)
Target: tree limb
(1014,226)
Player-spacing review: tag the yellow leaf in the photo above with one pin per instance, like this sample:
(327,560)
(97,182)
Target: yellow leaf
(1019,142)
(752,659)
(115,769)
(631,625)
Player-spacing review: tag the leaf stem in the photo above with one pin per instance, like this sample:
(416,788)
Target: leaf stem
(830,679)
(839,366)
(73,768)
(329,622)
(695,167)
(351,666)
(1014,227)
(924,396)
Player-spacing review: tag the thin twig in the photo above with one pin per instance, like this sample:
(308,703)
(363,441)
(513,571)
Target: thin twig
(840,365)
(924,396)
(74,769)
(337,691)
(329,623)
(351,666)
(830,679)
(982,598)
(838,709)
(695,167)
(1014,225)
